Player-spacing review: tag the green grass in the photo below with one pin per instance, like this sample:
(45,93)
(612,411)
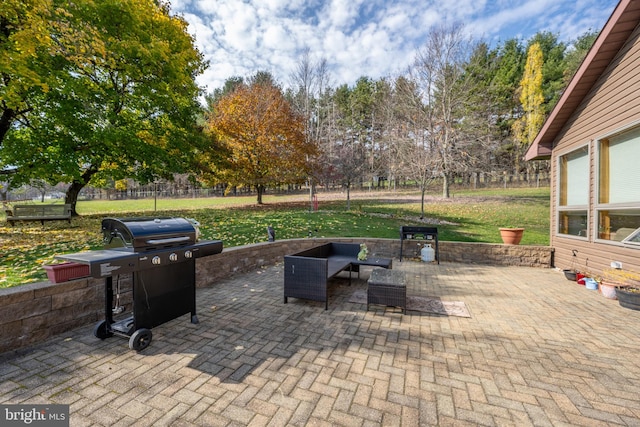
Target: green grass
(469,217)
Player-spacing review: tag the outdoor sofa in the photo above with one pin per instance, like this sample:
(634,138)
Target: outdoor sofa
(307,273)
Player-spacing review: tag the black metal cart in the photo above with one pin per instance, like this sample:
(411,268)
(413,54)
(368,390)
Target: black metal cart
(160,255)
(428,233)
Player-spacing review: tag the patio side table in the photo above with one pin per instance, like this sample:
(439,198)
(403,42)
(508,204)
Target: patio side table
(387,287)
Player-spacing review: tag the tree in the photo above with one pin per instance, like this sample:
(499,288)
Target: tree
(229,86)
(553,65)
(349,163)
(418,150)
(352,135)
(526,128)
(484,111)
(25,45)
(579,49)
(362,120)
(310,83)
(510,59)
(439,71)
(121,100)
(263,136)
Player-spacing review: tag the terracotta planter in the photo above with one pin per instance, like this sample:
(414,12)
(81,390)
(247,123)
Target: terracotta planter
(66,271)
(511,236)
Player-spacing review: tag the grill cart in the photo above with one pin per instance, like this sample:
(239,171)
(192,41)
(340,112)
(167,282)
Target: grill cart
(159,254)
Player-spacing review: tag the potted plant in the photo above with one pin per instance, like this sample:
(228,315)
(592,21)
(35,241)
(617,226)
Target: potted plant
(629,297)
(572,273)
(511,235)
(625,284)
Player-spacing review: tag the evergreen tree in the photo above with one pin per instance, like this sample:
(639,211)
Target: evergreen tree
(576,54)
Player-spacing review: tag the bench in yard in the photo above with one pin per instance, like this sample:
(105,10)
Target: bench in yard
(306,273)
(40,213)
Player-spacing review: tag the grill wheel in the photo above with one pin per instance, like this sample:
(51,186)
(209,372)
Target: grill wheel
(101,331)
(140,339)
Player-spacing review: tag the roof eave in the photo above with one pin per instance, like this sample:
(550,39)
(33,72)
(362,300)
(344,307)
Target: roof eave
(604,49)
(538,152)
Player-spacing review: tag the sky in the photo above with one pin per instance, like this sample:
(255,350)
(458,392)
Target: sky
(374,38)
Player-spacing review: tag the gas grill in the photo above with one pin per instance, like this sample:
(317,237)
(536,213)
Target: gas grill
(159,254)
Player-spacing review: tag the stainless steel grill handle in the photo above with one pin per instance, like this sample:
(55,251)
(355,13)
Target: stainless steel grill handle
(168,241)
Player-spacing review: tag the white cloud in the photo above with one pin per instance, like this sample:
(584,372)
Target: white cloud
(206,7)
(373,38)
(531,9)
(395,20)
(342,13)
(180,4)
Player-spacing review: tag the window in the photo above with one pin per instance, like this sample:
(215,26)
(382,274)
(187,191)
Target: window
(618,206)
(633,238)
(574,193)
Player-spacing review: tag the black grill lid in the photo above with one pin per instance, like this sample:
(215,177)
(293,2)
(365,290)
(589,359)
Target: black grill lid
(147,233)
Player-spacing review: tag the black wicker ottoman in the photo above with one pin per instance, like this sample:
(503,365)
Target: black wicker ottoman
(387,287)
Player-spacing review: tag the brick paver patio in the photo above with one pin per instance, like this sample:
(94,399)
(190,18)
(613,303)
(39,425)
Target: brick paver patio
(537,350)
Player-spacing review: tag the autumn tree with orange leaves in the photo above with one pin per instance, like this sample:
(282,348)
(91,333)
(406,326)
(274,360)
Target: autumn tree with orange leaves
(262,136)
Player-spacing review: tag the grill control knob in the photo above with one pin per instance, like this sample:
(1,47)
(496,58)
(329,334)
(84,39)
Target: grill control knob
(155,260)
(188,254)
(173,257)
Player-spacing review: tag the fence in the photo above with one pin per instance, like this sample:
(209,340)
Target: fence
(176,190)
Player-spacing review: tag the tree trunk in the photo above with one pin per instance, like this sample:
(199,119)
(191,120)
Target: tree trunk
(260,189)
(423,190)
(445,186)
(348,197)
(7,118)
(312,191)
(71,197)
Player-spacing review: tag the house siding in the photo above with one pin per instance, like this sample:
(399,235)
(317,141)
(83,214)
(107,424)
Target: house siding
(611,106)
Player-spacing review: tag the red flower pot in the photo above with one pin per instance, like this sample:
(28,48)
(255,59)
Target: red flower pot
(66,271)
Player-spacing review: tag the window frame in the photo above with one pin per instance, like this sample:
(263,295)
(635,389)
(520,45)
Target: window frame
(563,211)
(599,208)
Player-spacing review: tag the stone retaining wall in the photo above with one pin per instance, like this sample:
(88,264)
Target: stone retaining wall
(32,313)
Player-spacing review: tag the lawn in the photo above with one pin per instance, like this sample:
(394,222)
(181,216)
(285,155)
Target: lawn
(472,216)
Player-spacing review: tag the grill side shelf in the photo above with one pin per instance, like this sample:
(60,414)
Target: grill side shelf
(206,248)
(105,263)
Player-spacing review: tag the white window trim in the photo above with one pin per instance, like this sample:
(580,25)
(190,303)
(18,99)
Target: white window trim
(569,208)
(597,206)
